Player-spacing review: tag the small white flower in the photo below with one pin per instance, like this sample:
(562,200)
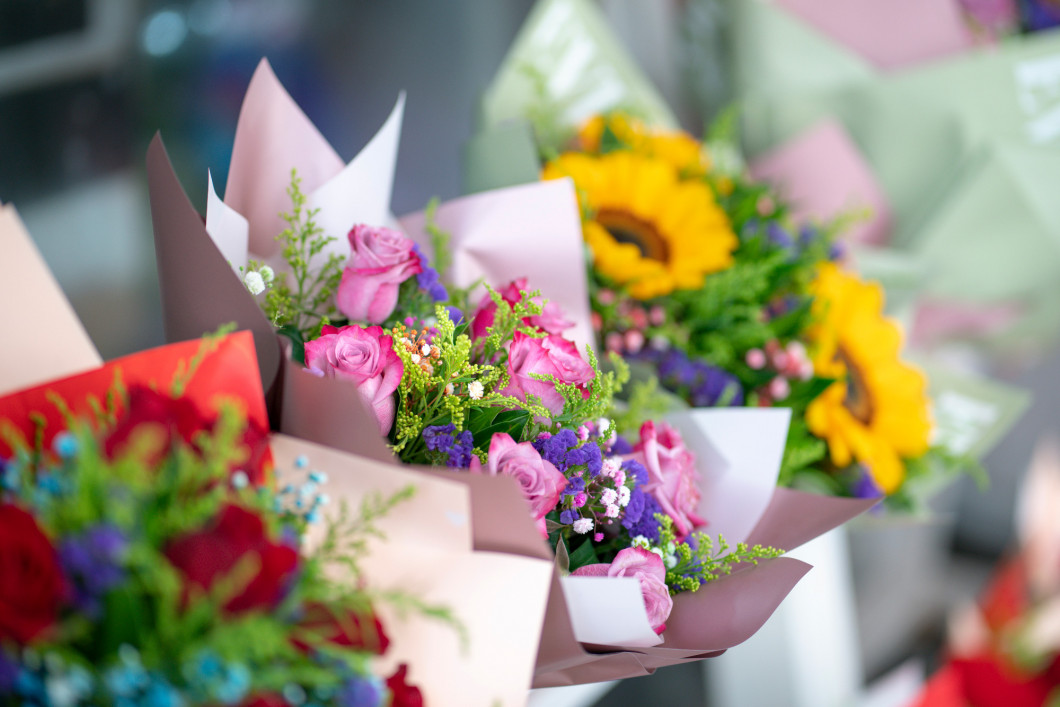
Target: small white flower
(267,274)
(254,282)
(449,389)
(623,496)
(609,496)
(583,525)
(425,349)
(415,358)
(603,424)
(611,466)
(611,511)
(640,541)
(658,552)
(670,561)
(475,390)
(240,480)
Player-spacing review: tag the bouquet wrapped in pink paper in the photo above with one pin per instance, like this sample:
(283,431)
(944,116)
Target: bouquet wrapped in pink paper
(396,356)
(161,530)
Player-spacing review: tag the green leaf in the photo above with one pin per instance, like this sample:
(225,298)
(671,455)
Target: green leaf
(512,422)
(583,555)
(297,342)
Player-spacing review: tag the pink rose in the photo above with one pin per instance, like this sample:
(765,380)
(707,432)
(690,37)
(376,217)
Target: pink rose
(550,321)
(551,355)
(672,475)
(381,260)
(540,481)
(364,356)
(648,568)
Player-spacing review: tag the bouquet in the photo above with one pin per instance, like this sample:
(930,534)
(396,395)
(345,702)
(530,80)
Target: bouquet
(427,369)
(1005,649)
(702,279)
(145,552)
(171,446)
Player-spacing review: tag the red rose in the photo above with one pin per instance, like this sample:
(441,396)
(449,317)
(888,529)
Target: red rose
(401,693)
(351,629)
(266,700)
(180,419)
(32,586)
(209,555)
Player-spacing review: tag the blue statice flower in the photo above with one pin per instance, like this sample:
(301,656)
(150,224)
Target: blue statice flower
(94,561)
(455,315)
(750,229)
(361,692)
(569,516)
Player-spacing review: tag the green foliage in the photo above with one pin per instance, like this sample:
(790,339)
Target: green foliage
(691,568)
(303,300)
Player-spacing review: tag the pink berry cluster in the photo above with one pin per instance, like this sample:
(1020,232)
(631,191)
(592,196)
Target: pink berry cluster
(788,362)
(630,332)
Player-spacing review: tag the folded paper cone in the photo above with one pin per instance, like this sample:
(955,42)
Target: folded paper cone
(51,339)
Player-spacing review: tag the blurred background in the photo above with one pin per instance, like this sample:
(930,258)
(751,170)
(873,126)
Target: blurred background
(85,84)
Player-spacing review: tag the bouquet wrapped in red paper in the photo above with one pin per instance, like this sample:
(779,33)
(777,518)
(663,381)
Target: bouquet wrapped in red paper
(160,532)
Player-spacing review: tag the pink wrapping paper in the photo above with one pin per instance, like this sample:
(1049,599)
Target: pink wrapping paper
(891,34)
(823,174)
(51,340)
(532,231)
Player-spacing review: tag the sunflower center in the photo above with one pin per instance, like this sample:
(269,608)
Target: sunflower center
(858,399)
(624,227)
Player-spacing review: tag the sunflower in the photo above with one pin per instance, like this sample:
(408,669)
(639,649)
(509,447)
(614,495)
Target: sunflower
(678,148)
(877,411)
(647,228)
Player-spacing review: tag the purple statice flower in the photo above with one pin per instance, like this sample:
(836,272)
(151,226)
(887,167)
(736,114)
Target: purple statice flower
(463,449)
(569,516)
(750,229)
(778,236)
(635,470)
(643,523)
(837,251)
(621,445)
(439,438)
(8,673)
(458,448)
(865,486)
(574,486)
(455,315)
(807,235)
(93,560)
(360,692)
(428,279)
(674,366)
(554,449)
(713,384)
(1038,15)
(587,455)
